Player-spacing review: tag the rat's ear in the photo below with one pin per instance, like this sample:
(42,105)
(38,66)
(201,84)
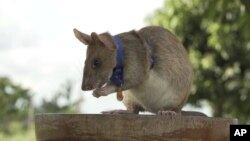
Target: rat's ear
(94,36)
(84,38)
(105,39)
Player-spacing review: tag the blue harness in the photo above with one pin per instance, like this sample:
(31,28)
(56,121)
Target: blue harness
(117,75)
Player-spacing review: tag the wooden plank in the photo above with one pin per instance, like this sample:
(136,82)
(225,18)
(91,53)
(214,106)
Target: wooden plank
(80,127)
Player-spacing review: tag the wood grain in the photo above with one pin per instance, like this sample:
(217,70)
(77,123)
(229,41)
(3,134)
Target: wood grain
(80,127)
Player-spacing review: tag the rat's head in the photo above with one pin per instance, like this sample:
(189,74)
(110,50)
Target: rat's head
(100,59)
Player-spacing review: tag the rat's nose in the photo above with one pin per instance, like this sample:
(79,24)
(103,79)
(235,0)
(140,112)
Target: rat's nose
(86,87)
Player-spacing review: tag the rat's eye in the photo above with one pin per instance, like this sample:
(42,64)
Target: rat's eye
(96,63)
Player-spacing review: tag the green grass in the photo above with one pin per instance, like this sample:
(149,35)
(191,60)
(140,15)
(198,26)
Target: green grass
(28,135)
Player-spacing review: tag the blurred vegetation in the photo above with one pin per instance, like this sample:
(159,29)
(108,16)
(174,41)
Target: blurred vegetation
(17,111)
(20,135)
(14,105)
(217,36)
(61,101)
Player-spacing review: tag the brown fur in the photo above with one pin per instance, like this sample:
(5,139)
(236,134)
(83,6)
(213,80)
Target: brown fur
(144,87)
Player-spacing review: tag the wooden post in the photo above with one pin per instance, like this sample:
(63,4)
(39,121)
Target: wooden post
(77,127)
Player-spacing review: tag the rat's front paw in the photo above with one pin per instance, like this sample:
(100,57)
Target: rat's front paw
(99,92)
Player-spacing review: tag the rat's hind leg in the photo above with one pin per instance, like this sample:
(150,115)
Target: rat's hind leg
(167,113)
(133,107)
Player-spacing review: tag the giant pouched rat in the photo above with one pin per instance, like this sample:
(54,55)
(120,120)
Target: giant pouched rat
(159,87)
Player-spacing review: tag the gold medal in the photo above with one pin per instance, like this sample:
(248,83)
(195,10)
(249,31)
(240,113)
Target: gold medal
(119,95)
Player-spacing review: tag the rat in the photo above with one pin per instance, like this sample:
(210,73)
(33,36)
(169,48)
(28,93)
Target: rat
(156,71)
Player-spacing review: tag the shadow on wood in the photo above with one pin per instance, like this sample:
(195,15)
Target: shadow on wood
(76,127)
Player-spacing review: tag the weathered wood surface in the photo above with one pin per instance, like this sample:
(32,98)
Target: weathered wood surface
(68,127)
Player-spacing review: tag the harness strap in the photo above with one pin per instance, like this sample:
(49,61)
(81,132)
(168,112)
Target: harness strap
(117,75)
